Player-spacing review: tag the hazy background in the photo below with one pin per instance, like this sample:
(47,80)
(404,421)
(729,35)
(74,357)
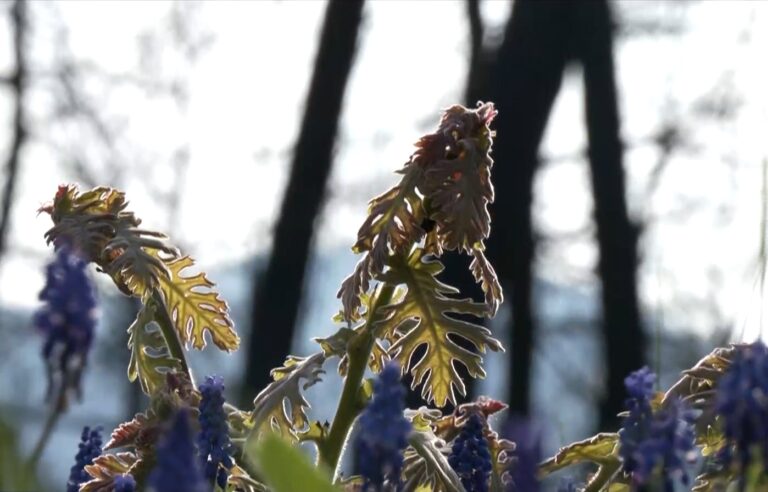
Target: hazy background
(195,108)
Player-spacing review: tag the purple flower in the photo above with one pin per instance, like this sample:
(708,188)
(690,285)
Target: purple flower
(67,320)
(470,457)
(177,468)
(89,449)
(651,439)
(525,465)
(742,403)
(124,483)
(213,441)
(383,431)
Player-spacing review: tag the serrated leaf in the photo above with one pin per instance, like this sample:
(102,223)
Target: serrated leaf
(601,449)
(129,433)
(195,308)
(240,481)
(392,224)
(280,407)
(421,318)
(458,192)
(426,464)
(96,224)
(104,470)
(285,468)
(336,344)
(484,274)
(150,357)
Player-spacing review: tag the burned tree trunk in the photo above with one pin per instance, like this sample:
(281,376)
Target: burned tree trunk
(624,339)
(278,291)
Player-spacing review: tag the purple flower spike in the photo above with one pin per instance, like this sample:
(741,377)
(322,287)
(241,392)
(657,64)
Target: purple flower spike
(383,432)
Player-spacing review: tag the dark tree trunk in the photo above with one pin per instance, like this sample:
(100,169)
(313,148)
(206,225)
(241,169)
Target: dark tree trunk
(278,291)
(525,81)
(623,335)
(16,82)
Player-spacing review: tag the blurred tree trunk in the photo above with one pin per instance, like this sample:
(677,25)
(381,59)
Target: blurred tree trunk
(525,81)
(278,291)
(16,81)
(623,335)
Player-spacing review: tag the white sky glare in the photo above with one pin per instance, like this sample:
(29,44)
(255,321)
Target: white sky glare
(247,91)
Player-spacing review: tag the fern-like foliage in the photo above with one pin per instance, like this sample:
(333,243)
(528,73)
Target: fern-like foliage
(446,181)
(196,309)
(421,317)
(280,407)
(97,224)
(150,357)
(106,468)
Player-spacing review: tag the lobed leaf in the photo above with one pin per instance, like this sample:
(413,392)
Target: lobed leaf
(485,275)
(104,470)
(426,464)
(601,449)
(280,407)
(458,192)
(150,357)
(195,308)
(96,224)
(392,224)
(421,318)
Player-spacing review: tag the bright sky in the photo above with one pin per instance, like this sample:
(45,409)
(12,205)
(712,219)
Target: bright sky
(246,96)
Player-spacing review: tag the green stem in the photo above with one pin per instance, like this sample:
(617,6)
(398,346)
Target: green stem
(169,333)
(358,351)
(58,408)
(604,475)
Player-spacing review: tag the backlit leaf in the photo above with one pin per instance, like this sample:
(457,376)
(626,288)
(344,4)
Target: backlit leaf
(280,407)
(426,464)
(601,448)
(195,308)
(150,357)
(104,470)
(421,318)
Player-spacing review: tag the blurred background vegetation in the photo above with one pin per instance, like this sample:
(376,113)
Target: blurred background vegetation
(629,225)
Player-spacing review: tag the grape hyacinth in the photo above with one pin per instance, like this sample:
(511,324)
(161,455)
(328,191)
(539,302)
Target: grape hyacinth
(525,466)
(67,320)
(470,457)
(383,432)
(177,468)
(650,439)
(124,483)
(742,403)
(213,441)
(89,449)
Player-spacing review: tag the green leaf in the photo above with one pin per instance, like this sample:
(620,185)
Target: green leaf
(195,308)
(421,318)
(285,468)
(393,223)
(150,357)
(426,464)
(601,449)
(280,407)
